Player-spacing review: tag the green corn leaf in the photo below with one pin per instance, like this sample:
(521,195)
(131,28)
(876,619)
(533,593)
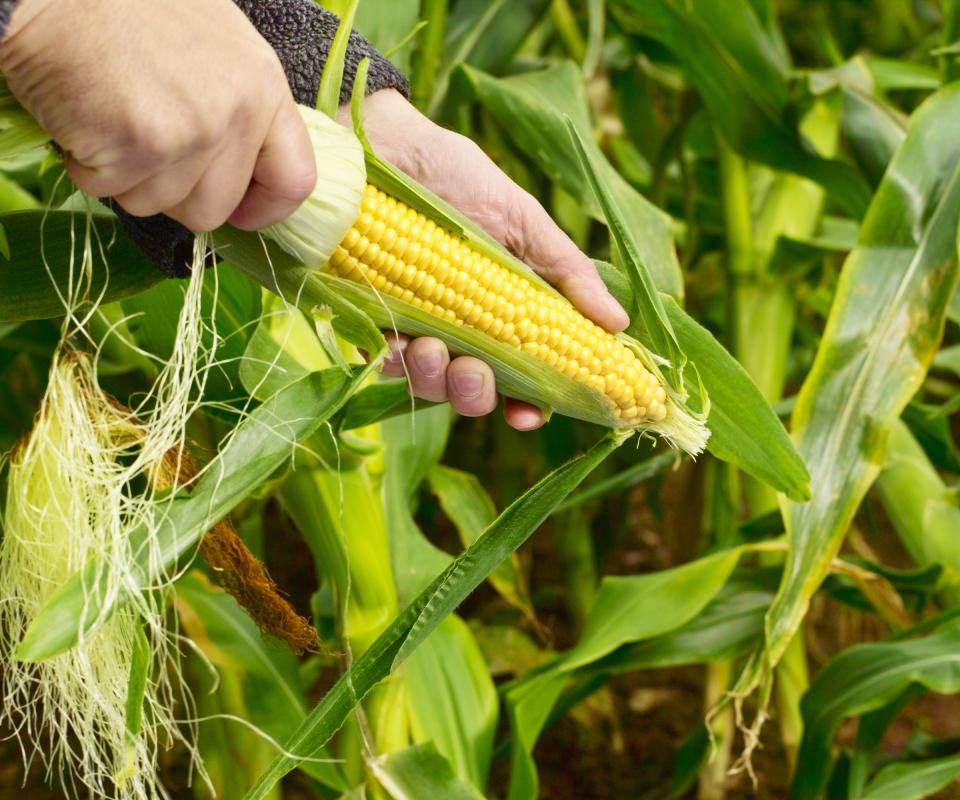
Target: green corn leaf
(871,729)
(340,516)
(730,625)
(461,719)
(921,507)
(484,34)
(260,445)
(140,665)
(726,628)
(734,64)
(414,445)
(471,509)
(631,476)
(379,402)
(893,75)
(386,24)
(511,529)
(865,678)
(273,696)
(651,315)
(230,302)
(744,429)
(884,328)
(626,609)
(328,96)
(597,16)
(19,132)
(913,780)
(634,607)
(26,290)
(873,128)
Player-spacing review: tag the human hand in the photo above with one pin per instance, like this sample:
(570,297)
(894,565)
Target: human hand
(457,170)
(177,107)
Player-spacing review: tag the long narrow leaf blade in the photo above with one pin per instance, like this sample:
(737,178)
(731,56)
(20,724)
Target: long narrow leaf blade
(511,529)
(28,292)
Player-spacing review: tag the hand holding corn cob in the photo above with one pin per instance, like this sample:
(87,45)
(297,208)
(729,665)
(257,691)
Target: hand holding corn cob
(458,171)
(203,162)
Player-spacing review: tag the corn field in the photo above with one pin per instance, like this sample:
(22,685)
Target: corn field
(237,561)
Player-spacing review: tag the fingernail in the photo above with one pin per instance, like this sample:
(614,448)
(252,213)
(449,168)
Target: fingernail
(616,310)
(429,364)
(396,351)
(468,384)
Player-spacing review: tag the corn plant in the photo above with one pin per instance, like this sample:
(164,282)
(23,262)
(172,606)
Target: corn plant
(236,561)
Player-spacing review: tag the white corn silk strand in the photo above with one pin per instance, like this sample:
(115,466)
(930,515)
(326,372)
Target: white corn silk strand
(76,487)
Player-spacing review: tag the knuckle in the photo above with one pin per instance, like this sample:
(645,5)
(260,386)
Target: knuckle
(150,141)
(139,204)
(200,217)
(206,133)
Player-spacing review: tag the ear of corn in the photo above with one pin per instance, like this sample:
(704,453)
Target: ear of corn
(408,272)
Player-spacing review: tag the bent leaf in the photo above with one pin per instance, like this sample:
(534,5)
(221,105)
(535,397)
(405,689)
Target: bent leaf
(865,678)
(883,331)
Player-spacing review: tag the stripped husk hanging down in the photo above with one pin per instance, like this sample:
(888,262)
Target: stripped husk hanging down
(98,714)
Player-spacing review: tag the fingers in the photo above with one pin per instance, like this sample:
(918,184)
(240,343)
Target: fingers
(284,176)
(462,174)
(394,365)
(160,191)
(471,387)
(98,182)
(522,416)
(427,360)
(466,382)
(238,179)
(217,193)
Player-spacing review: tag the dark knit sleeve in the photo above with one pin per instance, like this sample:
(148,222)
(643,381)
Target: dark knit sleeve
(301,33)
(6,9)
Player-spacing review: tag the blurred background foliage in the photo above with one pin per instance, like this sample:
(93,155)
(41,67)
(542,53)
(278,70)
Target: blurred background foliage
(782,163)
